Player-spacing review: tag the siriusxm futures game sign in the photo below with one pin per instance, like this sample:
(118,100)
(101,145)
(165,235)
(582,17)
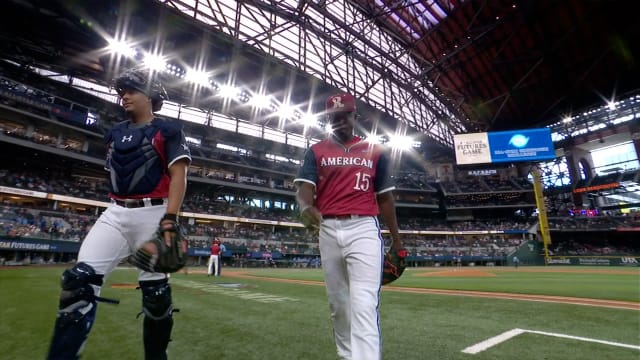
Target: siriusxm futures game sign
(504,146)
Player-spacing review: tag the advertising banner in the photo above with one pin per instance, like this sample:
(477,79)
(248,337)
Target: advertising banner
(472,148)
(504,146)
(594,260)
(18,244)
(521,145)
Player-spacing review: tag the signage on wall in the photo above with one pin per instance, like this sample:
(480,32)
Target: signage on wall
(613,185)
(504,146)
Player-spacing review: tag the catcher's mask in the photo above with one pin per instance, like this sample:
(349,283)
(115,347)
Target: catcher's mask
(141,80)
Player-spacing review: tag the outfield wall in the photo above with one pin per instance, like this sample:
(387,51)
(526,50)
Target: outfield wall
(594,260)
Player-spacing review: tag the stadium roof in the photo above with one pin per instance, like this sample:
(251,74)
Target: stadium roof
(512,63)
(440,66)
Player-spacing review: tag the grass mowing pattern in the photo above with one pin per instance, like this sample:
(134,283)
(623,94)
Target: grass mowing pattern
(222,325)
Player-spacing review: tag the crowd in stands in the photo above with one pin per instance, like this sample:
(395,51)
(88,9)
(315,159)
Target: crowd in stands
(476,225)
(30,223)
(414,181)
(484,184)
(490,199)
(483,245)
(62,224)
(575,248)
(596,223)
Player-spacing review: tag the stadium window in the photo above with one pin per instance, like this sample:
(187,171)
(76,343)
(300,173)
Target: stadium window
(234,149)
(256,203)
(296,140)
(619,157)
(170,109)
(193,140)
(274,135)
(193,115)
(584,171)
(91,118)
(554,173)
(249,129)
(221,122)
(279,158)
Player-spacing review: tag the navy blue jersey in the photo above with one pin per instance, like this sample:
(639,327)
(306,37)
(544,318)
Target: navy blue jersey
(138,158)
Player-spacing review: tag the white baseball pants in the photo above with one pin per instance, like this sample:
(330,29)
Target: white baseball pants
(117,233)
(352,258)
(214,261)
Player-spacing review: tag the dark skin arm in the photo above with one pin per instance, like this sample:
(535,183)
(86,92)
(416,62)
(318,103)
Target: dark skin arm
(311,216)
(387,207)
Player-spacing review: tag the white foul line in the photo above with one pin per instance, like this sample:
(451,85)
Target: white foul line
(585,339)
(484,345)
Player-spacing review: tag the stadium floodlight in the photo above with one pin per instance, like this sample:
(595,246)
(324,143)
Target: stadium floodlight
(566,120)
(374,139)
(229,91)
(121,47)
(328,129)
(197,77)
(154,62)
(286,111)
(309,120)
(260,101)
(611,105)
(400,142)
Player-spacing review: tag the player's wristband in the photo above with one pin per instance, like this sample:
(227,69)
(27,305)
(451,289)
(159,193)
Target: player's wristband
(170,217)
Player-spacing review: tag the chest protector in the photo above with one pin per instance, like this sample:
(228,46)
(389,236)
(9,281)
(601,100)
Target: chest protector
(136,159)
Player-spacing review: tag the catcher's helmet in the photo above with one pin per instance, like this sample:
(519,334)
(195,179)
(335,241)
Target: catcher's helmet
(141,80)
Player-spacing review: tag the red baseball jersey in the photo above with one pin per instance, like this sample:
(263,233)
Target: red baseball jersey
(215,249)
(347,177)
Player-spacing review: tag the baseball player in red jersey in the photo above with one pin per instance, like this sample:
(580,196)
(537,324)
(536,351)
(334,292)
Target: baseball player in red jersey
(351,184)
(214,259)
(147,161)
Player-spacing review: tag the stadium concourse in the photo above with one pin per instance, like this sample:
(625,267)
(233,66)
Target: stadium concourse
(251,98)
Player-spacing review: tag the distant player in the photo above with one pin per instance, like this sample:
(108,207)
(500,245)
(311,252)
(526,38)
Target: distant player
(215,258)
(350,181)
(147,161)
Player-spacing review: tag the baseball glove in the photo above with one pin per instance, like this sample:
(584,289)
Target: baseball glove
(394,265)
(156,256)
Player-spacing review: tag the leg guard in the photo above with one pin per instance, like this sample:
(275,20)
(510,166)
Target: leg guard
(77,312)
(158,321)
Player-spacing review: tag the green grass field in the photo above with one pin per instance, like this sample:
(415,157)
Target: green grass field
(267,319)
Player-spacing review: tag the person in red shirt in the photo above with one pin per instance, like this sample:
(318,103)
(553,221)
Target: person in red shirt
(343,184)
(214,259)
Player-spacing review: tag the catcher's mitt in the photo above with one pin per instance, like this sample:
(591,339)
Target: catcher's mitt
(394,265)
(156,256)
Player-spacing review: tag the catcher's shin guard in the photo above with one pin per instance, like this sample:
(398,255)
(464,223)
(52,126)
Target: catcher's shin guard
(158,320)
(77,312)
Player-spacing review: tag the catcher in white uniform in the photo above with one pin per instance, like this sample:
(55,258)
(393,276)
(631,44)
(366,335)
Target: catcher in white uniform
(349,178)
(147,161)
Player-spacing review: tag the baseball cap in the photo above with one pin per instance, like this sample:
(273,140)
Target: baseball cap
(340,102)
